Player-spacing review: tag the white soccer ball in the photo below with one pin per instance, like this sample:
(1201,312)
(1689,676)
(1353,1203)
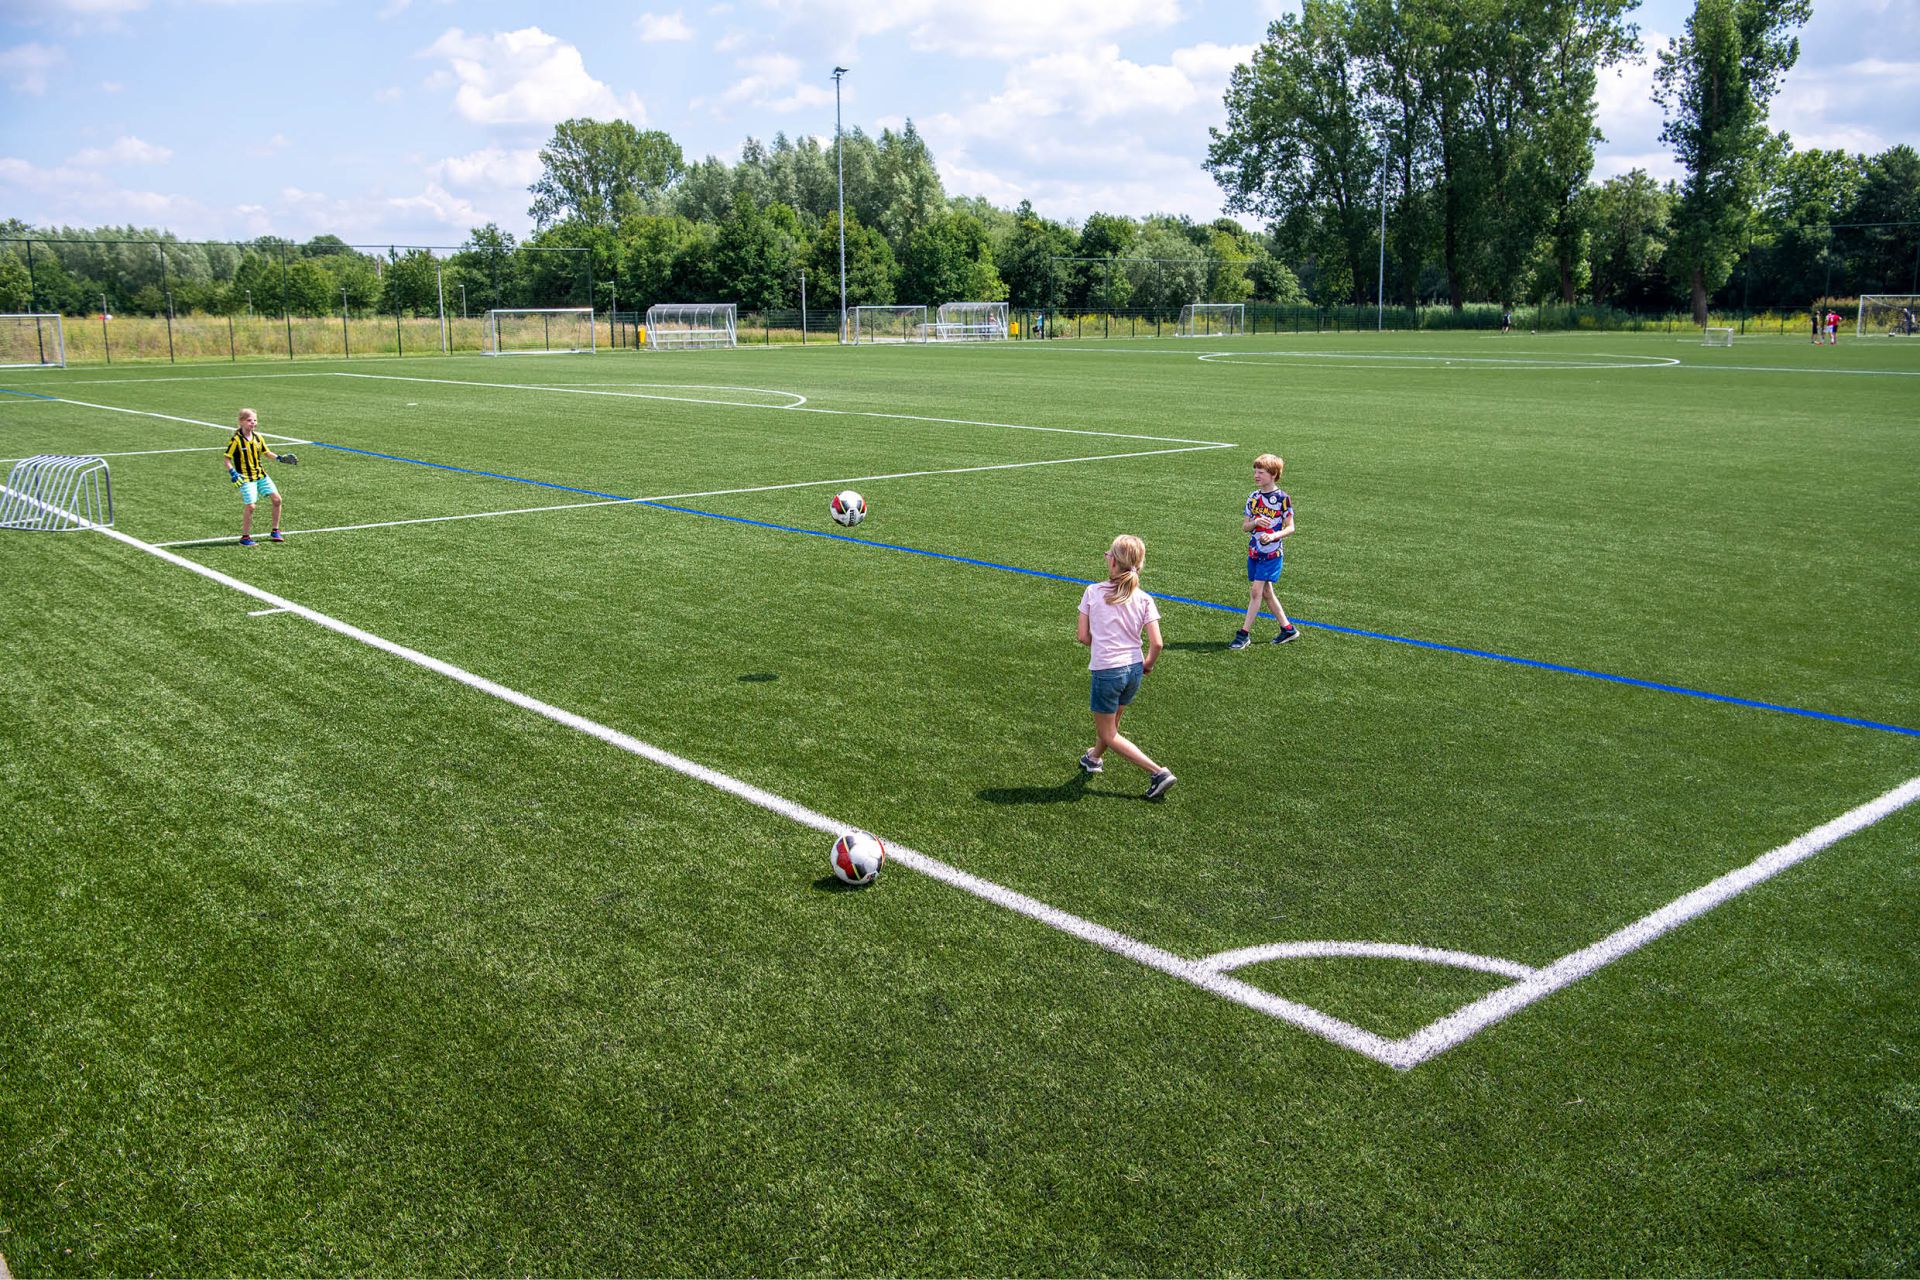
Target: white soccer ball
(858,857)
(848,508)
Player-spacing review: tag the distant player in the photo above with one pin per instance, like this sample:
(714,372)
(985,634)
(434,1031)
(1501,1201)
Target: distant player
(1906,321)
(1268,520)
(1816,326)
(247,470)
(1506,320)
(1113,616)
(1833,328)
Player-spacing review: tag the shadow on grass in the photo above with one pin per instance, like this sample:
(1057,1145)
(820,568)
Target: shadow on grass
(1074,788)
(831,883)
(1200,646)
(758,677)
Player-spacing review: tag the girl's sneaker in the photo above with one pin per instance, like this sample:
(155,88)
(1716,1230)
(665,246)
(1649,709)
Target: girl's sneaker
(1240,640)
(1090,765)
(1162,781)
(1290,634)
(275,537)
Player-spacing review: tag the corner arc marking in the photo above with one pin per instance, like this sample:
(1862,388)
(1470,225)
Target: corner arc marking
(1227,961)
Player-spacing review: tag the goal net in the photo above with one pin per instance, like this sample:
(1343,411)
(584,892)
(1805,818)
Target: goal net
(680,326)
(540,331)
(889,324)
(1212,320)
(55,492)
(31,340)
(1714,336)
(969,322)
(1892,314)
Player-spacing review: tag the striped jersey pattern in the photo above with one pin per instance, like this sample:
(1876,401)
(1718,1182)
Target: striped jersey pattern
(247,454)
(1277,505)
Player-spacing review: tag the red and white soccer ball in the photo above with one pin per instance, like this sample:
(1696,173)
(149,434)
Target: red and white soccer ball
(858,857)
(848,508)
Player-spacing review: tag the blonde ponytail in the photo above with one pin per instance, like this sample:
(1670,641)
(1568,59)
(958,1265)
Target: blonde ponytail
(1128,554)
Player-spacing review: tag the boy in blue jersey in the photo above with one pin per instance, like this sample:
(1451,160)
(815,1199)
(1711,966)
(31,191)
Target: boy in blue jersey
(1268,519)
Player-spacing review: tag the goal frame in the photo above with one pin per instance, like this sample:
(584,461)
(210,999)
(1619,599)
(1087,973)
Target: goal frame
(1711,335)
(969,322)
(57,493)
(692,326)
(491,344)
(1192,312)
(1893,302)
(42,321)
(914,318)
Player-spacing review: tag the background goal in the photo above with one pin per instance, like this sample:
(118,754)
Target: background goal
(680,326)
(1715,336)
(1212,320)
(889,324)
(1895,314)
(31,340)
(539,331)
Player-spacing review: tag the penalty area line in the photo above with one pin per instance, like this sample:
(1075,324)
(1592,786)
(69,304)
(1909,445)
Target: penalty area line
(1194,973)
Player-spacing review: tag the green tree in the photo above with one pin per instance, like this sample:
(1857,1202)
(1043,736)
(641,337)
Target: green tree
(756,255)
(872,270)
(1627,217)
(489,267)
(15,293)
(601,171)
(650,246)
(1026,259)
(1168,270)
(1887,207)
(408,283)
(950,260)
(1714,83)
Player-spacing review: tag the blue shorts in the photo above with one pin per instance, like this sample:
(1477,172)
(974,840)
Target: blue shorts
(1114,688)
(251,491)
(1265,570)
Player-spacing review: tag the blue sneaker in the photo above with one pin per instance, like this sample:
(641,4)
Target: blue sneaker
(1162,782)
(275,537)
(248,542)
(1240,640)
(1288,636)
(1090,765)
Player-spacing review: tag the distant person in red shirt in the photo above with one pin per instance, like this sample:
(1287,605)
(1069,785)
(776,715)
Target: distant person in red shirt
(1833,328)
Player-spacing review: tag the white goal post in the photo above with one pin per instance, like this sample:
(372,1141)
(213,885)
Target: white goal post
(540,331)
(32,340)
(969,322)
(685,326)
(1716,336)
(1212,320)
(1895,314)
(889,324)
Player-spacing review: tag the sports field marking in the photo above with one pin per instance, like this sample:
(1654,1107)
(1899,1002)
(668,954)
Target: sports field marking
(602,390)
(706,493)
(168,417)
(1412,360)
(261,613)
(1206,974)
(1241,957)
(141,453)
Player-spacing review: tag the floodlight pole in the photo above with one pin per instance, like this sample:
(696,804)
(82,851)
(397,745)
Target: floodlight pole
(1380,298)
(840,163)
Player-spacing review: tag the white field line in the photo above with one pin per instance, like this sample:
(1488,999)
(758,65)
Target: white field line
(141,453)
(1434,1039)
(261,613)
(1196,974)
(1470,1020)
(168,417)
(1226,961)
(1665,362)
(794,408)
(557,389)
(710,493)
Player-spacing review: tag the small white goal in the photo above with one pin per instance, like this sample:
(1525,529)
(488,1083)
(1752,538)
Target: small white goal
(32,340)
(691,326)
(1716,336)
(1896,315)
(540,331)
(1212,320)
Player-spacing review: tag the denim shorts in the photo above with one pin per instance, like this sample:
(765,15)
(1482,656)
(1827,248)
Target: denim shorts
(1114,688)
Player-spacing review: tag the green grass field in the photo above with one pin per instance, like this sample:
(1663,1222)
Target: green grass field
(319,960)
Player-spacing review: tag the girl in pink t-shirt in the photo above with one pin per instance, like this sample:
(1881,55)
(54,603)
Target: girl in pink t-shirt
(1113,615)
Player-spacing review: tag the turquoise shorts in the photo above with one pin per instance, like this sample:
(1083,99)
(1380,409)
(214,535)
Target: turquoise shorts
(251,491)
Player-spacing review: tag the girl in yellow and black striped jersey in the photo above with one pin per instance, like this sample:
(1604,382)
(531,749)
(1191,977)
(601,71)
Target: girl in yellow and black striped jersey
(246,467)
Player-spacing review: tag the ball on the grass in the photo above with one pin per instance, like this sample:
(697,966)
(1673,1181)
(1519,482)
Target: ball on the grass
(848,508)
(857,858)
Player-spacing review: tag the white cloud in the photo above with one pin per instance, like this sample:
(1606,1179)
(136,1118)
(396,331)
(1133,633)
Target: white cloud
(111,86)
(128,150)
(389,94)
(272,146)
(491,168)
(526,77)
(773,82)
(25,67)
(982,28)
(663,26)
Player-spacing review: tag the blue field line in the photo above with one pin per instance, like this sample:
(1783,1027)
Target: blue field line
(1487,654)
(25,395)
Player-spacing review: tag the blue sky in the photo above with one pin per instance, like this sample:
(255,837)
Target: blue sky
(413,121)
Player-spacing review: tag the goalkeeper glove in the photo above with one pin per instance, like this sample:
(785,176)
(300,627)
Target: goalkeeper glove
(289,459)
(233,475)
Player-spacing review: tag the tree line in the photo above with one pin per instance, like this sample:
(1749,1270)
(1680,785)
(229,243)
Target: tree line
(1466,127)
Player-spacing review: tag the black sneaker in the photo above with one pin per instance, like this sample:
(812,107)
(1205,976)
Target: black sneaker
(1162,782)
(1287,636)
(1089,765)
(1240,640)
